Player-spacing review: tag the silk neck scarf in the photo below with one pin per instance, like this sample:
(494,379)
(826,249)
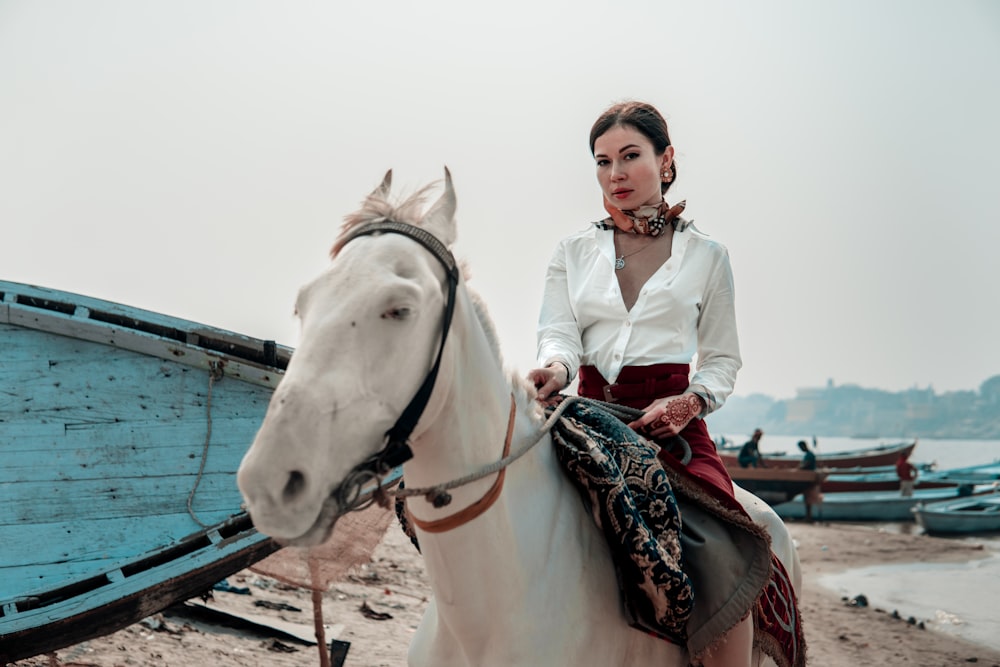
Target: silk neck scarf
(651,220)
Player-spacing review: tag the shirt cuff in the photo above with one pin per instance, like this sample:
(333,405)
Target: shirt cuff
(704,394)
(569,371)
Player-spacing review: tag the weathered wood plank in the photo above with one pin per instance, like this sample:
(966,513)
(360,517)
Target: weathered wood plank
(57,377)
(151,344)
(106,451)
(86,500)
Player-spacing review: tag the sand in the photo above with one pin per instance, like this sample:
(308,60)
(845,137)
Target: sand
(377,607)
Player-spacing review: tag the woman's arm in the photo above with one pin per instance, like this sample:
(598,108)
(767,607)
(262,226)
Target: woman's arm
(558,332)
(719,357)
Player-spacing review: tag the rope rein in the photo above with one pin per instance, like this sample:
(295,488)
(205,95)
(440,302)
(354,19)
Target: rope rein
(620,411)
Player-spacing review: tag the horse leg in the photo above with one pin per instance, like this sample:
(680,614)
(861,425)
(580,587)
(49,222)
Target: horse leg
(781,544)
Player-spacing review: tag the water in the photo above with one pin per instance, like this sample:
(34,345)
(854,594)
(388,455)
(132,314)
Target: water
(957,598)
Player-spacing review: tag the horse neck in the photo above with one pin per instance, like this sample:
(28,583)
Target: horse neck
(493,559)
(466,421)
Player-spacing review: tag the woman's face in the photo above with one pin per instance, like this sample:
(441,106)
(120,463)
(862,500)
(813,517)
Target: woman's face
(628,168)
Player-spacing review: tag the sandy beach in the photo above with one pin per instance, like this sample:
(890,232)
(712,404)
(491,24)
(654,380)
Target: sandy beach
(377,606)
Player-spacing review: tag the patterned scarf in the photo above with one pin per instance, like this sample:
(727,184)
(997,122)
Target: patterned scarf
(650,219)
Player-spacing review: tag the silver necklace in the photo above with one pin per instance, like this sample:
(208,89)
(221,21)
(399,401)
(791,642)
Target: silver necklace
(620,259)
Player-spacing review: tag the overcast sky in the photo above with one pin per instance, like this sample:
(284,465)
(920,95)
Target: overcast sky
(196,158)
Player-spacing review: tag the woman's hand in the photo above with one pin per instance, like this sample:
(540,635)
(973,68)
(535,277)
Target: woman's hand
(666,417)
(549,380)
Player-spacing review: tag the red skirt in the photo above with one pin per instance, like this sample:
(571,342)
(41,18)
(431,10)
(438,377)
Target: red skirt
(637,387)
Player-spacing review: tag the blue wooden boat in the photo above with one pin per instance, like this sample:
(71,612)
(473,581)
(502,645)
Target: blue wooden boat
(121,432)
(888,480)
(961,516)
(871,505)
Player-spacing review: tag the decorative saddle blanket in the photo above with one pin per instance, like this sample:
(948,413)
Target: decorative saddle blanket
(630,498)
(726,568)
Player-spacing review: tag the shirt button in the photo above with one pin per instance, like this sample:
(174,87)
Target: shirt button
(618,357)
(628,323)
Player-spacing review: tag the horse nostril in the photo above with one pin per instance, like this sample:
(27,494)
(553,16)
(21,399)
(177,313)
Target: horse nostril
(296,483)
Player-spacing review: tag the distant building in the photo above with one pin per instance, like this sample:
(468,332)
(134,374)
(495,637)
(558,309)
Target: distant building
(807,405)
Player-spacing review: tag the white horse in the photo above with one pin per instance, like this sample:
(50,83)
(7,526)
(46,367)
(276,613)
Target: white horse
(529,580)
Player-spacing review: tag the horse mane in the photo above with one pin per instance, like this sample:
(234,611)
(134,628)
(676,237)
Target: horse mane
(376,208)
(524,391)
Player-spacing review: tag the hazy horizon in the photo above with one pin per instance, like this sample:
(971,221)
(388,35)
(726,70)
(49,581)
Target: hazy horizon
(197,158)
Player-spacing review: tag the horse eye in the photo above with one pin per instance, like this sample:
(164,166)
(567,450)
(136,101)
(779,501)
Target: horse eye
(396,313)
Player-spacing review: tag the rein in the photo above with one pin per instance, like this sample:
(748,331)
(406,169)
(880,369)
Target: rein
(478,507)
(438,496)
(623,412)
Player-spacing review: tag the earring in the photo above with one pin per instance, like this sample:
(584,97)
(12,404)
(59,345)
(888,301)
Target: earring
(667,176)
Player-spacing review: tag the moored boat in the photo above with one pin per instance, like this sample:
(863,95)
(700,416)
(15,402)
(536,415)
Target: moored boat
(887,480)
(977,514)
(871,505)
(776,485)
(122,433)
(882,455)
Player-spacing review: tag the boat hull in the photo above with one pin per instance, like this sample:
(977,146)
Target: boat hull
(888,480)
(875,456)
(776,485)
(122,431)
(868,505)
(960,517)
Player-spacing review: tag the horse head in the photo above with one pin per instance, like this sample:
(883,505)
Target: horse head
(370,336)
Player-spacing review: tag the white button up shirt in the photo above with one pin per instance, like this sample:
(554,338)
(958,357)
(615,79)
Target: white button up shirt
(686,308)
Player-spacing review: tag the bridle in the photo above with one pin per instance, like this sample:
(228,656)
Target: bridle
(397,449)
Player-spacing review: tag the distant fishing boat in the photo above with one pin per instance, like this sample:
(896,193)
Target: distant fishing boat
(870,505)
(979,514)
(776,485)
(888,480)
(881,455)
(121,431)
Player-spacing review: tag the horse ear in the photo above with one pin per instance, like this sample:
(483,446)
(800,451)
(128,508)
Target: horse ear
(440,218)
(382,191)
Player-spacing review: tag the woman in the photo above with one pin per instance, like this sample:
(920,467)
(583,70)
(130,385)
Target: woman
(632,299)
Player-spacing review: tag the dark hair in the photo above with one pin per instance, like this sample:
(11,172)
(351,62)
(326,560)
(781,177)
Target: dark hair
(646,120)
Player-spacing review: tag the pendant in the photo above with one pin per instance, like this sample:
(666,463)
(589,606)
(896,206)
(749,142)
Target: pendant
(619,263)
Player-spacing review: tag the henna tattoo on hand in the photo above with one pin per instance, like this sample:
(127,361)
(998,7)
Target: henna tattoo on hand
(679,411)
